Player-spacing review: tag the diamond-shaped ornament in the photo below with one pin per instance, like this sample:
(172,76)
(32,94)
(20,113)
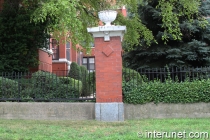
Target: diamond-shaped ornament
(107,50)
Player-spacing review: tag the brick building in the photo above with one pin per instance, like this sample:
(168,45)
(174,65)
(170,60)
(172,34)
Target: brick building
(59,55)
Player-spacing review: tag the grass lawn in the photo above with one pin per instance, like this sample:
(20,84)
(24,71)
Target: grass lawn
(144,129)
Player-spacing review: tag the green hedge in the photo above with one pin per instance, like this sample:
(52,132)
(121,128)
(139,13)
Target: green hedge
(168,92)
(85,84)
(41,85)
(47,86)
(88,82)
(92,81)
(8,88)
(71,86)
(131,79)
(75,71)
(129,74)
(45,80)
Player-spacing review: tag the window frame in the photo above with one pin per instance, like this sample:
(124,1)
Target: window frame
(87,65)
(68,50)
(55,56)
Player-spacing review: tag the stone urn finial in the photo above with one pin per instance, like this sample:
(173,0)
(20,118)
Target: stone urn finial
(107,16)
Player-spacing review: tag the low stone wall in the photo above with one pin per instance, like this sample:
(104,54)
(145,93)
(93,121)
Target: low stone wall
(47,111)
(86,111)
(151,110)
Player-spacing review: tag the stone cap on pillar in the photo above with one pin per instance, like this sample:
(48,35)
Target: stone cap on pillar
(107,31)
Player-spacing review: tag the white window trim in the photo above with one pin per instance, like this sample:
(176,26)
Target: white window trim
(49,51)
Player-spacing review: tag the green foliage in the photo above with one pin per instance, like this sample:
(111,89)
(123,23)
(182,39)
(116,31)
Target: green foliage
(129,74)
(75,16)
(191,49)
(8,88)
(45,80)
(92,81)
(85,83)
(172,11)
(70,86)
(169,92)
(47,86)
(75,71)
(67,80)
(131,79)
(42,85)
(19,38)
(66,91)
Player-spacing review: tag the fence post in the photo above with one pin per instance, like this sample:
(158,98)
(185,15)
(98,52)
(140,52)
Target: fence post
(108,66)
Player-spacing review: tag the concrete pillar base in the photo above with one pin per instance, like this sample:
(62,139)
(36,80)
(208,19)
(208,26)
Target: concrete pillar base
(109,112)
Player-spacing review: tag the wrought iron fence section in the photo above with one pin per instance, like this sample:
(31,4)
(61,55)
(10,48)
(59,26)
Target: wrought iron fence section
(46,87)
(175,73)
(134,78)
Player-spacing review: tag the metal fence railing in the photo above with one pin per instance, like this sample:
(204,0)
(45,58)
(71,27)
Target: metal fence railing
(175,74)
(45,86)
(61,87)
(148,77)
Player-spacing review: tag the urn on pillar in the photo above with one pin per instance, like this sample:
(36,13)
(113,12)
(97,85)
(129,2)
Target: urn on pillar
(107,16)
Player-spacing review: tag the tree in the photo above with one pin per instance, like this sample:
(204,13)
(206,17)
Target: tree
(24,29)
(20,38)
(191,50)
(75,71)
(73,17)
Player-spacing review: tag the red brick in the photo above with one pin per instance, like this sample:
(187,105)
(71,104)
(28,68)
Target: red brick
(108,67)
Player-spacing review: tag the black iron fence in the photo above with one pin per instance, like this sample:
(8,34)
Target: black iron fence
(149,79)
(61,87)
(175,74)
(45,87)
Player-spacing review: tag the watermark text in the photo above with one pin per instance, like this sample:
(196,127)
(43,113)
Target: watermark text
(173,135)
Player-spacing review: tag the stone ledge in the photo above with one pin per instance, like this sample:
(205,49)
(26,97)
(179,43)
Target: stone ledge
(109,112)
(161,110)
(47,111)
(107,31)
(86,111)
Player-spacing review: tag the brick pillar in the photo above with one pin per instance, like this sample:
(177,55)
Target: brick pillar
(108,66)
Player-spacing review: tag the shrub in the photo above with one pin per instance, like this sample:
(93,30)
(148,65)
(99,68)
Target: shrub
(75,71)
(129,74)
(86,84)
(131,79)
(71,87)
(64,89)
(170,92)
(45,80)
(40,86)
(129,86)
(25,83)
(8,88)
(92,81)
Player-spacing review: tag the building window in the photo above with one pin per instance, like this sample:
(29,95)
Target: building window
(68,51)
(89,63)
(55,49)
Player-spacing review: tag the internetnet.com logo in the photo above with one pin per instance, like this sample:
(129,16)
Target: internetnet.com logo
(173,135)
